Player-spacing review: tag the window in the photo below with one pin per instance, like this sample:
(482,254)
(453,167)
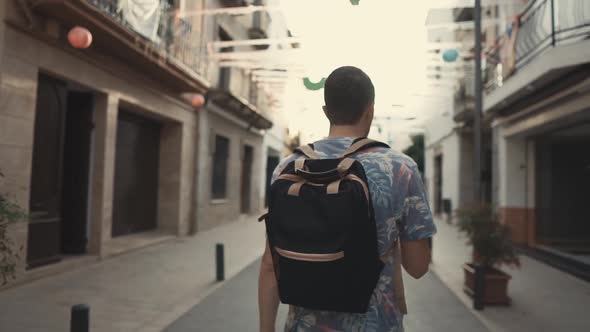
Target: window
(220,161)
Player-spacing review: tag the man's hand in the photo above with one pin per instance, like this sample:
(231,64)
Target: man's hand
(268,293)
(415,257)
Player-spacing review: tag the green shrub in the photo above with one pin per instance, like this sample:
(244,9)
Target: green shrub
(490,239)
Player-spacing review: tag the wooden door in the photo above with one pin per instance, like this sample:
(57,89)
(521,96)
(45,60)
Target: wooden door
(46,175)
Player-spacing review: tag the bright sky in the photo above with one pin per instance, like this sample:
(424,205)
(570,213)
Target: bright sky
(384,38)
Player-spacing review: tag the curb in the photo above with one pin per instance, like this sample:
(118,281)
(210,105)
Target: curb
(458,292)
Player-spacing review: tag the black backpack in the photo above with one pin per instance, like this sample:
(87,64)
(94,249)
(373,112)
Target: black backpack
(322,233)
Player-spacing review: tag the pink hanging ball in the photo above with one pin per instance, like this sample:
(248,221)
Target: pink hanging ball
(80,37)
(198,100)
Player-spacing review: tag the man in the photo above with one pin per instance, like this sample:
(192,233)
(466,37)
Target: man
(400,206)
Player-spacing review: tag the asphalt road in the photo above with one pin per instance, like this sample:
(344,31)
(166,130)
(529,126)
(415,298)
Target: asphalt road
(233,307)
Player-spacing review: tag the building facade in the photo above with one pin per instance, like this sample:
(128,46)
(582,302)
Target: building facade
(539,100)
(102,147)
(535,125)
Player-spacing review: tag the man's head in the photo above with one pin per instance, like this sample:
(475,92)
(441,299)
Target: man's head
(349,96)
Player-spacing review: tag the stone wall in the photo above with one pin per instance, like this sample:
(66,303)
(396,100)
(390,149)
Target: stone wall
(113,84)
(219,211)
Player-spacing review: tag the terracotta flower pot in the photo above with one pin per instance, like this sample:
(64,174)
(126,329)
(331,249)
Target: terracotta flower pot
(496,285)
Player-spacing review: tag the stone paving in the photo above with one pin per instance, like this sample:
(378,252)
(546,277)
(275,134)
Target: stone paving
(144,290)
(543,298)
(148,289)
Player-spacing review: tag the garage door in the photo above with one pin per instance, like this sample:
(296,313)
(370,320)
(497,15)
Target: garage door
(136,174)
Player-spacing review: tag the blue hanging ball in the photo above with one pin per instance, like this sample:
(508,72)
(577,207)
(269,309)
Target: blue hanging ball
(450,55)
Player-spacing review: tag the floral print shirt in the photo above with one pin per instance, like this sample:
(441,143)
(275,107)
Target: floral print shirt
(401,211)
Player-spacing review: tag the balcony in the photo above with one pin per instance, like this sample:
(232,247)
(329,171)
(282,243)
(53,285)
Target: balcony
(464,98)
(546,33)
(157,44)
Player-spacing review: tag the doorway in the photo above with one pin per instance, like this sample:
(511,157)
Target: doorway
(563,188)
(58,199)
(135,197)
(246,190)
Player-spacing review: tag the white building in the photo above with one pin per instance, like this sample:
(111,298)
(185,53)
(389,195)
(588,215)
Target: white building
(539,99)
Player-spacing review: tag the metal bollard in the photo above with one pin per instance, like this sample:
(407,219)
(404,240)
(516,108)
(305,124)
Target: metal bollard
(479,287)
(219,262)
(80,320)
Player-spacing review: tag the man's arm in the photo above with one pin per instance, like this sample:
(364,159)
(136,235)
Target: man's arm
(268,293)
(415,257)
(417,227)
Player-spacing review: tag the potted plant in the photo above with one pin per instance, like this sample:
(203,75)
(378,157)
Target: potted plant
(492,248)
(9,254)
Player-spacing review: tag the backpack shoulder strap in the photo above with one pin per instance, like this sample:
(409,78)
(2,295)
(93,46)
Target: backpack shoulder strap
(308,151)
(360,144)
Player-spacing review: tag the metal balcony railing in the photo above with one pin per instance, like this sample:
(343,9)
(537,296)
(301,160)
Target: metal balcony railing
(170,35)
(542,24)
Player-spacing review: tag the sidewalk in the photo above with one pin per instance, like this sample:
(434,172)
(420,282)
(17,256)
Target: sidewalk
(543,298)
(141,291)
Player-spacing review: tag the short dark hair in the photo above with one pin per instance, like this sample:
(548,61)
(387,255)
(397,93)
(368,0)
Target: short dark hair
(347,92)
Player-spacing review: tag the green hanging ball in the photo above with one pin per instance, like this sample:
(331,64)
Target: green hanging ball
(450,55)
(314,86)
(355,2)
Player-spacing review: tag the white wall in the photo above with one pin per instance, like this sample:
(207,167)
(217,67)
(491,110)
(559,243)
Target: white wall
(450,148)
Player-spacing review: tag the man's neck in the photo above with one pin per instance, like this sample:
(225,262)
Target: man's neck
(346,131)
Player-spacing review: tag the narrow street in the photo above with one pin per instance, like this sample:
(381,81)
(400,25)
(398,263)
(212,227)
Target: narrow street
(234,307)
(151,149)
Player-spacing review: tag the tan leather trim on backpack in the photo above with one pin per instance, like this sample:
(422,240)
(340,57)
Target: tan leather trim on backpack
(290,177)
(299,164)
(355,147)
(295,188)
(310,257)
(345,165)
(333,187)
(365,188)
(308,152)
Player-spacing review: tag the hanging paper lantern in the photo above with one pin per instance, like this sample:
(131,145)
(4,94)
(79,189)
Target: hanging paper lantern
(197,100)
(450,55)
(314,86)
(80,37)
